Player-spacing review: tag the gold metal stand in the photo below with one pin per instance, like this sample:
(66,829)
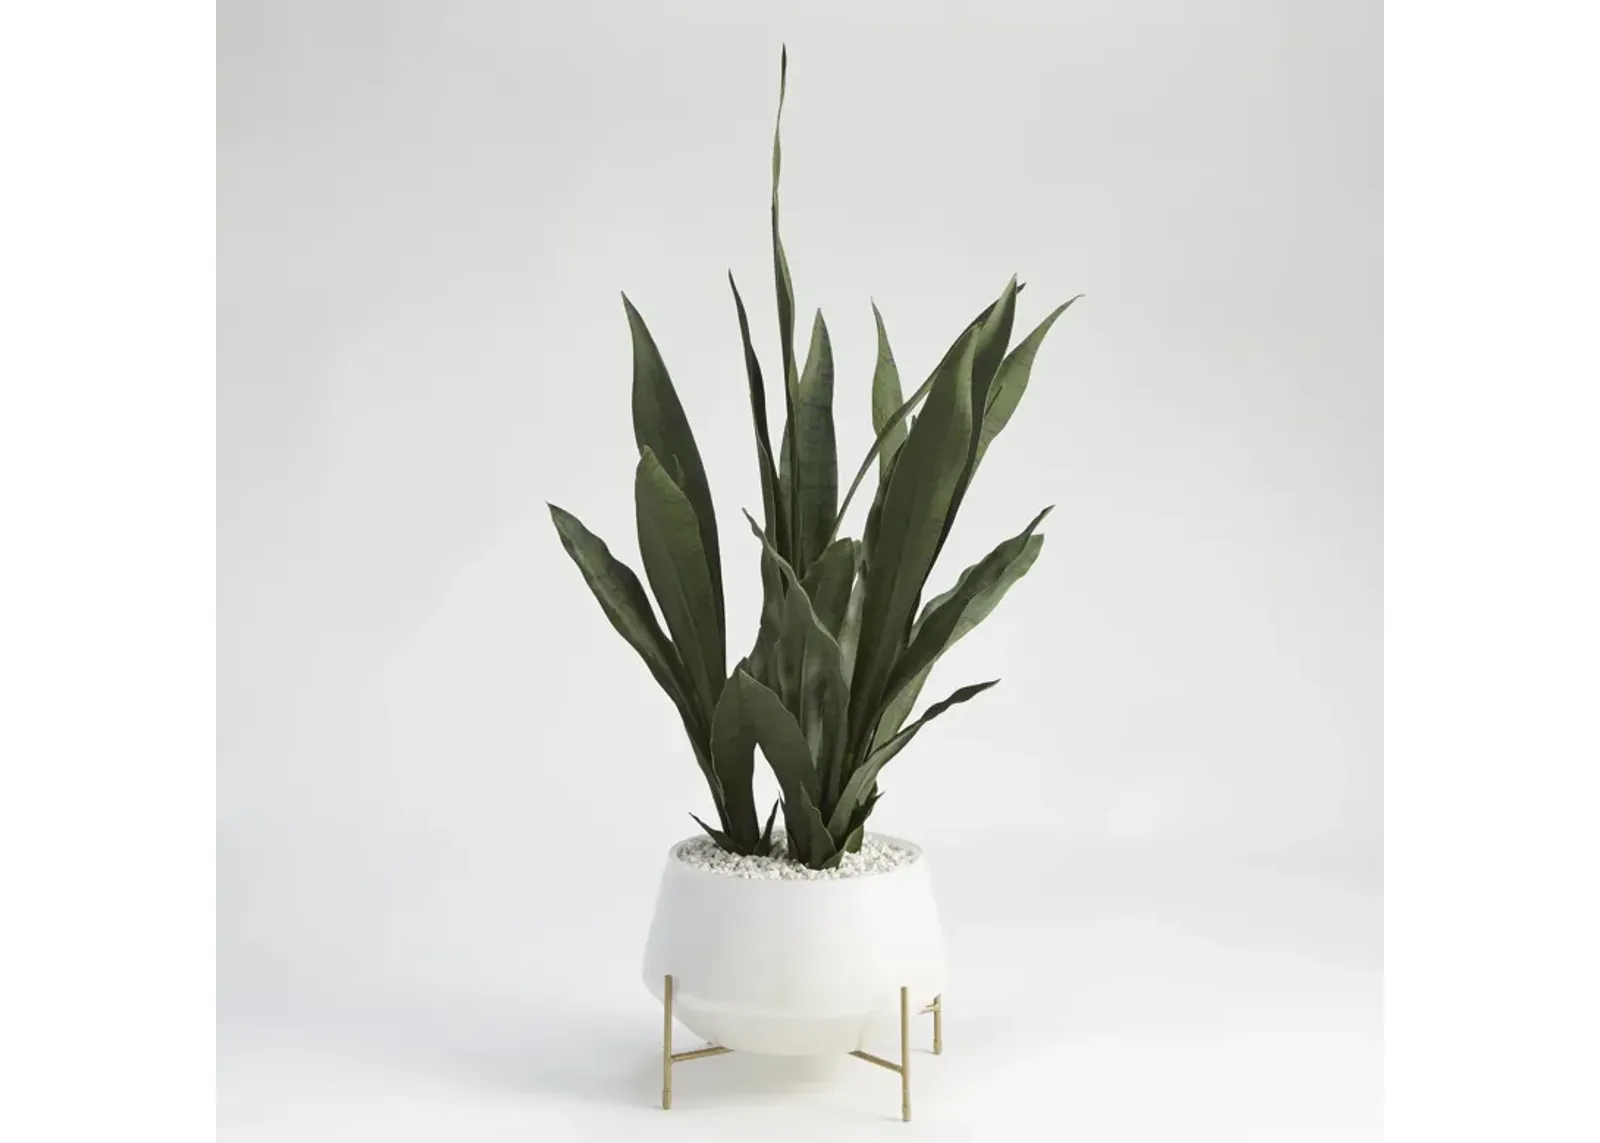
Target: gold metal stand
(903,1068)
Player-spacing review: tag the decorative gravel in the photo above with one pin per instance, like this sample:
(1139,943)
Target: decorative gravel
(876,856)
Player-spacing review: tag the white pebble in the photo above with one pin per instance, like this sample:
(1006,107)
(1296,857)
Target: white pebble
(877,855)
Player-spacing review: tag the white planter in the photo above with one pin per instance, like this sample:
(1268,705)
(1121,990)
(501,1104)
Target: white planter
(794,968)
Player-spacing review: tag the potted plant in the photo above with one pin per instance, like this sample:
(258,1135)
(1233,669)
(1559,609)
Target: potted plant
(804,941)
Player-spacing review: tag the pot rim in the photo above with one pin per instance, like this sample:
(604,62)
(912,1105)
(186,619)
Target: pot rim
(675,858)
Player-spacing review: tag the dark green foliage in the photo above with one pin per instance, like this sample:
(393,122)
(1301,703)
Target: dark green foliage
(845,641)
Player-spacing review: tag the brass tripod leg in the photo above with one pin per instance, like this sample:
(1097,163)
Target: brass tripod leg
(905,1053)
(666,1047)
(668,1056)
(938,1025)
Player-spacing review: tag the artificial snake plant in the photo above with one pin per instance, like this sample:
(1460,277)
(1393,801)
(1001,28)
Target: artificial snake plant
(845,641)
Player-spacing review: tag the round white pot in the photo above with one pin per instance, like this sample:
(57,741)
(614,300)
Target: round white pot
(794,968)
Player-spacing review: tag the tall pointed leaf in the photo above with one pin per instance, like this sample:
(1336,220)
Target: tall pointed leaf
(621,596)
(659,425)
(892,426)
(680,575)
(816,458)
(784,748)
(771,503)
(915,504)
(993,336)
(886,398)
(812,686)
(976,610)
(850,629)
(774,500)
(785,294)
(1011,381)
(733,745)
(859,787)
(937,630)
(623,600)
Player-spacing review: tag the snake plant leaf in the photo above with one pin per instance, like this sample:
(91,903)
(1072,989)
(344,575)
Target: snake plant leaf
(812,686)
(936,632)
(816,457)
(774,500)
(723,840)
(858,823)
(975,611)
(860,785)
(733,747)
(1011,381)
(623,600)
(926,471)
(850,629)
(784,287)
(994,338)
(765,846)
(780,738)
(830,581)
(676,564)
(886,398)
(659,424)
(771,501)
(785,569)
(784,747)
(892,426)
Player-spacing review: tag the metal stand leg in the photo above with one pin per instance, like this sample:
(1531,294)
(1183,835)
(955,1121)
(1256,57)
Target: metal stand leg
(905,1054)
(903,1068)
(937,1008)
(668,1056)
(666,1046)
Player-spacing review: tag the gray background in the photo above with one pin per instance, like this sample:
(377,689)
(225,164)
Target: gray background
(445,785)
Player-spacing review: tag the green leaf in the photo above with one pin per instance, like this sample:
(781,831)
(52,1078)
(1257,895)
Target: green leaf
(994,335)
(623,600)
(886,399)
(829,582)
(936,631)
(812,687)
(659,425)
(765,847)
(850,629)
(1011,381)
(892,425)
(858,823)
(914,507)
(723,840)
(816,458)
(680,576)
(784,747)
(861,782)
(788,572)
(780,738)
(785,294)
(733,745)
(621,596)
(973,613)
(994,338)
(771,500)
(774,500)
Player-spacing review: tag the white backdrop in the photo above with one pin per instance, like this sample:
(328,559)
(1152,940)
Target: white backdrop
(445,784)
